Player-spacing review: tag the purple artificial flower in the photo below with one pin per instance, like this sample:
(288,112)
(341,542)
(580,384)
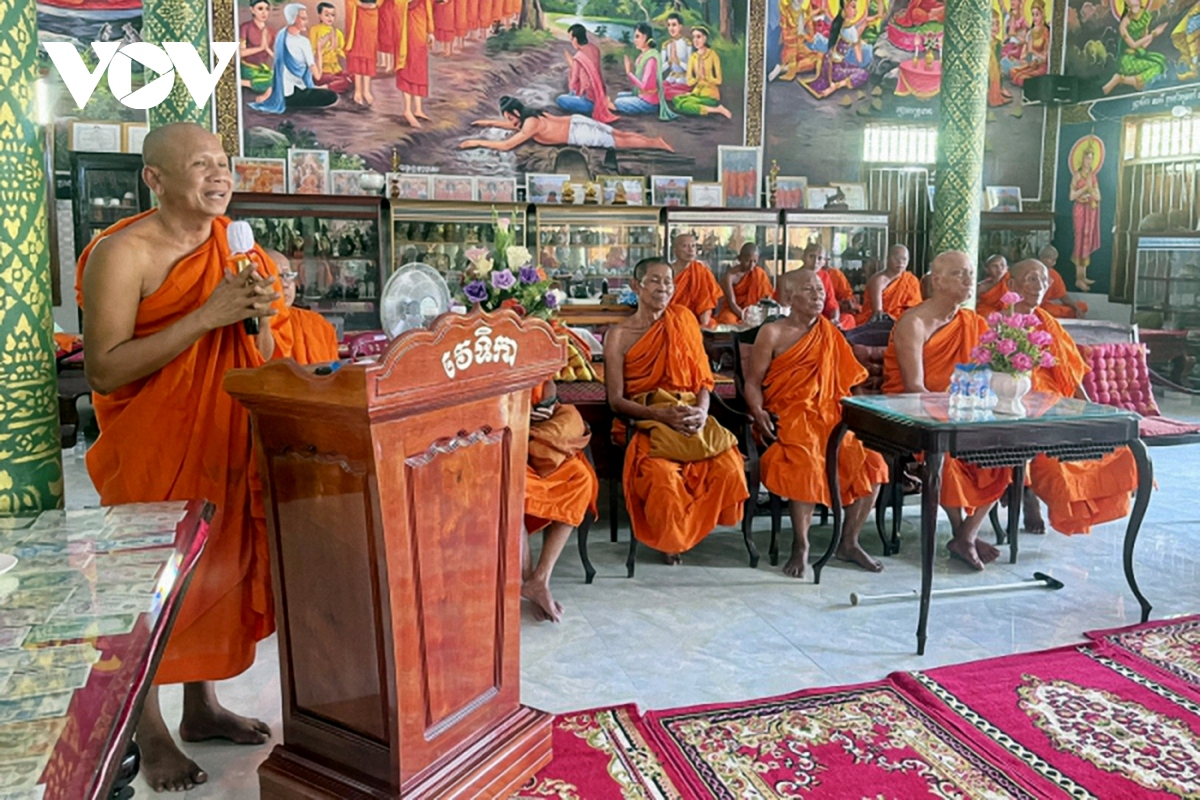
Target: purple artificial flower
(476,291)
(1046,359)
(1040,338)
(1006,347)
(529,275)
(981,355)
(993,319)
(1021,362)
(503,279)
(1010,298)
(988,337)
(551,300)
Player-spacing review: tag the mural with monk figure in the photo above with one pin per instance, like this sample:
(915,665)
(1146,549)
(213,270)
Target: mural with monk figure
(496,87)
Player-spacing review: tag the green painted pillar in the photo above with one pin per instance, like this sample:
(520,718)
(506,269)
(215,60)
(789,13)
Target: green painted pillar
(961,129)
(178,21)
(31,472)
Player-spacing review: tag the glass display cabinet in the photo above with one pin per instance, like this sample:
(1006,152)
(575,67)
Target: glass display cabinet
(720,234)
(1015,236)
(1167,283)
(440,233)
(108,187)
(337,246)
(856,241)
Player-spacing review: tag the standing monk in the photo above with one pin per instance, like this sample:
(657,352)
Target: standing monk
(413,34)
(799,371)
(314,340)
(927,342)
(656,373)
(744,285)
(1058,303)
(993,286)
(163,322)
(891,292)
(362,47)
(695,287)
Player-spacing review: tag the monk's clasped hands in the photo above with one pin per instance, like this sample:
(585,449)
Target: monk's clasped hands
(240,296)
(687,420)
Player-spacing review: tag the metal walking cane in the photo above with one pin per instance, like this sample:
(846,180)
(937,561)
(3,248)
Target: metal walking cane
(1040,581)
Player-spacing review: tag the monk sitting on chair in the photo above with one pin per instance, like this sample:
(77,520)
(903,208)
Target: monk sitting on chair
(799,371)
(927,343)
(1057,301)
(815,259)
(560,488)
(695,287)
(744,285)
(843,292)
(1078,494)
(314,340)
(993,286)
(891,292)
(683,472)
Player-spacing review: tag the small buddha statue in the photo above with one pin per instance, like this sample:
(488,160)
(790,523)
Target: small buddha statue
(619,197)
(568,193)
(591,197)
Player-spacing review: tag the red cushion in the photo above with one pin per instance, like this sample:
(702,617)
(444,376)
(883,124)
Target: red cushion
(1119,377)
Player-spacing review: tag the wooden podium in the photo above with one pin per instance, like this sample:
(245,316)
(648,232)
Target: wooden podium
(394,496)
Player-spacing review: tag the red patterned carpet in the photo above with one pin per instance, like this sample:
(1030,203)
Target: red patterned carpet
(1118,717)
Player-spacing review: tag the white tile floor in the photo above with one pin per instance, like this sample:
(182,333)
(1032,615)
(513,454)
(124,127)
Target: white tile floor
(714,630)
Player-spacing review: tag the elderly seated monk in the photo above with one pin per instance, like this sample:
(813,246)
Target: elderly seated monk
(816,260)
(891,292)
(993,286)
(926,344)
(1078,494)
(695,287)
(314,340)
(800,369)
(560,488)
(683,472)
(744,285)
(1057,302)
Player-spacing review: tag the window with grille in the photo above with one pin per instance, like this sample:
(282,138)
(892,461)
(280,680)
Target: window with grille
(1162,137)
(900,144)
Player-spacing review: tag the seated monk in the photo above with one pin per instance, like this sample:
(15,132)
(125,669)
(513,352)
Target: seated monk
(1057,303)
(1078,494)
(695,287)
(314,340)
(656,373)
(799,371)
(815,259)
(744,285)
(560,488)
(891,292)
(843,293)
(993,286)
(163,323)
(927,342)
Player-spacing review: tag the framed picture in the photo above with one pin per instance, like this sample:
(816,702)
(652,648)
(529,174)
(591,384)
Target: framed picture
(132,136)
(1002,198)
(308,171)
(825,198)
(634,187)
(543,188)
(346,182)
(739,170)
(260,175)
(669,190)
(453,187)
(496,190)
(95,137)
(789,191)
(855,195)
(403,186)
(706,195)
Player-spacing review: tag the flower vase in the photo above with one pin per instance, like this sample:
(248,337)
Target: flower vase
(1010,389)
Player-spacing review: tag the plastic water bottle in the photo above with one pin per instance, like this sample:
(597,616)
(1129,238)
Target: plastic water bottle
(958,387)
(989,397)
(979,387)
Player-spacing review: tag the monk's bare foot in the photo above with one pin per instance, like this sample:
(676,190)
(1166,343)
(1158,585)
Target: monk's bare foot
(411,119)
(965,552)
(797,565)
(1032,514)
(358,98)
(220,723)
(545,607)
(663,144)
(673,559)
(369,98)
(856,555)
(987,553)
(165,767)
(423,115)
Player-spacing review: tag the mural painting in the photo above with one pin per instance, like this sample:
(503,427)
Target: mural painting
(1123,46)
(1085,160)
(496,87)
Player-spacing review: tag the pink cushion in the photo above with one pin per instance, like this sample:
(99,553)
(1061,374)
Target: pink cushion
(1149,427)
(1119,377)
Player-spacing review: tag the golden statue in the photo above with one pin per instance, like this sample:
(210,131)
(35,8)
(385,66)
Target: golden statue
(590,196)
(568,193)
(619,198)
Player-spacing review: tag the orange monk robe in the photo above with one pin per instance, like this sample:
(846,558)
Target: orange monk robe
(963,485)
(696,289)
(842,291)
(989,301)
(1078,494)
(362,39)
(176,435)
(672,506)
(901,294)
(564,495)
(314,340)
(1052,302)
(804,388)
(755,285)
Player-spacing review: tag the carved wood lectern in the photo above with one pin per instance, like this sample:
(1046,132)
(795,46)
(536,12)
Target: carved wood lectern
(394,495)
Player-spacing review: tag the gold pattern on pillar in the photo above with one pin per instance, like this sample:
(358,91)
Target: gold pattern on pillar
(30,454)
(961,130)
(178,21)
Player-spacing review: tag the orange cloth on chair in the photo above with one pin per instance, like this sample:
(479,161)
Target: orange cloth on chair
(963,485)
(176,435)
(901,294)
(314,340)
(1052,302)
(1077,494)
(564,495)
(989,301)
(674,505)
(755,285)
(696,289)
(804,388)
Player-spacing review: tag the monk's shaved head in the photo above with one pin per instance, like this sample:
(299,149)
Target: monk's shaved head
(803,291)
(952,276)
(643,267)
(164,145)
(1021,268)
(187,169)
(281,261)
(1030,279)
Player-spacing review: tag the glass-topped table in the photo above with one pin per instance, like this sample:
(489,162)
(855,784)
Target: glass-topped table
(900,425)
(84,618)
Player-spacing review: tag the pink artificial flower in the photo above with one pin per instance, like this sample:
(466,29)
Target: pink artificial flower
(1046,359)
(1009,298)
(993,319)
(1006,347)
(981,355)
(1040,338)
(1021,362)
(1031,321)
(988,337)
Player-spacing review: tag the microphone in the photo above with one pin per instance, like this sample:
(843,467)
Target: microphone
(240,236)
